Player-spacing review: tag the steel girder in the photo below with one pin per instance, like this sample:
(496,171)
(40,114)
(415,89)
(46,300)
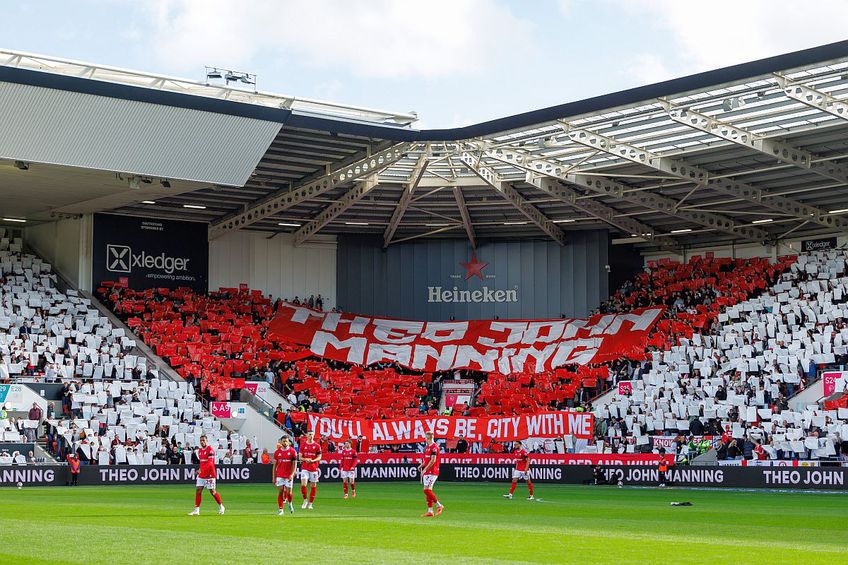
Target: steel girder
(783,152)
(285,199)
(466,218)
(600,211)
(337,208)
(702,177)
(608,187)
(512,196)
(814,98)
(406,197)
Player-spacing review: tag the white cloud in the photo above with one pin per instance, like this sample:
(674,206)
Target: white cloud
(329,89)
(719,33)
(648,69)
(565,7)
(377,38)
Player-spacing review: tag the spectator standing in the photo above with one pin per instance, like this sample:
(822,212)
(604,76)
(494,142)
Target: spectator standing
(73,468)
(364,445)
(34,413)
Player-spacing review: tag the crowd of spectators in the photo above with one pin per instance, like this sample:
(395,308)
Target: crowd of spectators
(141,422)
(114,408)
(47,334)
(734,384)
(217,340)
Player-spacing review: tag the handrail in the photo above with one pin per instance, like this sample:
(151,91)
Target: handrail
(264,409)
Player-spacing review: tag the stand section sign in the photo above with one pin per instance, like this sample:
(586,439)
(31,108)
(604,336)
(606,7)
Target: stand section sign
(833,381)
(229,409)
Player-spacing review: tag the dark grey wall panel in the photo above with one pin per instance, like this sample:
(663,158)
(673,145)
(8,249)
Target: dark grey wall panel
(546,280)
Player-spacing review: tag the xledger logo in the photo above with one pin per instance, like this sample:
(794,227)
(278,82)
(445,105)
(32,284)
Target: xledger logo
(118,258)
(819,244)
(121,259)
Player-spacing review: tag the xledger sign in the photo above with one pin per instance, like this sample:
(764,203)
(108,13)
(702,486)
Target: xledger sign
(484,429)
(809,245)
(504,346)
(150,253)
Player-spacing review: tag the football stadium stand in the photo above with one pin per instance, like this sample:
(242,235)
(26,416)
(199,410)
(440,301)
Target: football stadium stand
(714,202)
(51,334)
(142,422)
(220,339)
(739,338)
(116,408)
(736,382)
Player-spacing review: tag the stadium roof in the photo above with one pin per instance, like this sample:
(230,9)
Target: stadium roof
(753,152)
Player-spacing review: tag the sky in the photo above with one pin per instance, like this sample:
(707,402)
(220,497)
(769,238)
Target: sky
(454,62)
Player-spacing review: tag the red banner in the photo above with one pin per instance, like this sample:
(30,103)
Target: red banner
(506,458)
(485,428)
(504,346)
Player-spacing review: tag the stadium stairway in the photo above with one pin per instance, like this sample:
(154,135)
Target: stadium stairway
(273,398)
(812,395)
(259,424)
(41,453)
(605,398)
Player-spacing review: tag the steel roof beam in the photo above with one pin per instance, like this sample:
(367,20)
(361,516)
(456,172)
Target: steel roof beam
(783,152)
(426,234)
(599,210)
(608,187)
(512,196)
(337,208)
(466,217)
(814,98)
(702,177)
(307,190)
(414,179)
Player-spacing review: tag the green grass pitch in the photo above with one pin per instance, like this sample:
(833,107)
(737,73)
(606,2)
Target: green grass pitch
(571,524)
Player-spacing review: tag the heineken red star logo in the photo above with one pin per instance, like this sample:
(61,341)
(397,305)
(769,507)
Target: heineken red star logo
(473,268)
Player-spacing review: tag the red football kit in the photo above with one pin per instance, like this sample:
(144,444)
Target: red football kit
(522,465)
(285,459)
(432,449)
(207,462)
(522,461)
(310,451)
(349,459)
